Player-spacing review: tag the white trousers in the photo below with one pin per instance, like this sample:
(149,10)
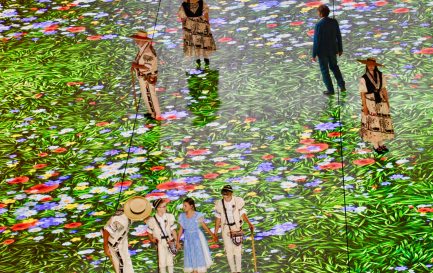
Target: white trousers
(165,258)
(121,260)
(148,95)
(233,252)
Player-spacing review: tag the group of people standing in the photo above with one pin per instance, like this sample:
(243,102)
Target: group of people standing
(230,215)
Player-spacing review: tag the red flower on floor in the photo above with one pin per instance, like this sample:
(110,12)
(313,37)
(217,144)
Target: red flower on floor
(214,246)
(425,210)
(41,188)
(197,152)
(297,23)
(170,185)
(39,166)
(18,180)
(102,123)
(331,166)
(184,166)
(310,32)
(8,241)
(94,37)
(428,50)
(46,199)
(307,141)
(60,150)
(76,29)
(273,25)
(23,226)
(155,195)
(157,168)
(314,4)
(51,28)
(364,161)
(312,148)
(74,83)
(225,39)
(334,134)
(210,175)
(381,3)
(234,168)
(401,10)
(267,157)
(123,184)
(42,154)
(220,164)
(73,225)
(248,120)
(2,229)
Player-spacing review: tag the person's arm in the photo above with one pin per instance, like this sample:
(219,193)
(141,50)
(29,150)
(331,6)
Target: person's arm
(179,234)
(245,218)
(339,39)
(316,41)
(181,14)
(385,90)
(207,229)
(105,236)
(363,91)
(206,11)
(217,227)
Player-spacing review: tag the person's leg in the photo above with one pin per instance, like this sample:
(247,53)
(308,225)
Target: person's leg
(228,247)
(336,70)
(324,69)
(153,102)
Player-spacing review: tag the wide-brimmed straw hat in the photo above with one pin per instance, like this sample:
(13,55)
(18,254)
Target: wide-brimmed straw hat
(137,208)
(370,61)
(141,35)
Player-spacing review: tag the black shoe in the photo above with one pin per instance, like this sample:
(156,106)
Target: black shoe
(379,150)
(384,149)
(198,63)
(148,116)
(343,89)
(328,92)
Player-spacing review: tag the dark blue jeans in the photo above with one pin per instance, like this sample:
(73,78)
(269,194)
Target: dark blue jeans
(327,62)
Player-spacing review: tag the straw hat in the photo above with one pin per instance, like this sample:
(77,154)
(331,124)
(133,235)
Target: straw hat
(137,208)
(370,61)
(141,35)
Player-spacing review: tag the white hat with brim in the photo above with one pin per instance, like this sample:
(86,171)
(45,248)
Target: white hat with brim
(137,208)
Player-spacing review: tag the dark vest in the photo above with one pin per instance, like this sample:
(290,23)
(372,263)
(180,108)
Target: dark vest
(370,86)
(189,13)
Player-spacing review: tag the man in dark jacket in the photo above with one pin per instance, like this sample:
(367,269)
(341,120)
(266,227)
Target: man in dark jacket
(327,44)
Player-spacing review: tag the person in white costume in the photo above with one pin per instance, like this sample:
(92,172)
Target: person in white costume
(115,232)
(145,67)
(162,229)
(230,214)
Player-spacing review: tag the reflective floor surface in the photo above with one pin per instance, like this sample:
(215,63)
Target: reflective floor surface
(73,147)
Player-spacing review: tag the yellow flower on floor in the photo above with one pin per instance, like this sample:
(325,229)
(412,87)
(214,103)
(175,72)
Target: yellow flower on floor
(99,213)
(71,206)
(76,239)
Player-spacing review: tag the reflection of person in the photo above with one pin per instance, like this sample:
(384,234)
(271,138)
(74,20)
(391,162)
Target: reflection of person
(145,66)
(115,232)
(196,250)
(230,213)
(327,44)
(203,88)
(162,228)
(197,37)
(376,123)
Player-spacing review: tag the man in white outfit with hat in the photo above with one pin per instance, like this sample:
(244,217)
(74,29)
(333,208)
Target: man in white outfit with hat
(145,67)
(115,232)
(162,230)
(230,214)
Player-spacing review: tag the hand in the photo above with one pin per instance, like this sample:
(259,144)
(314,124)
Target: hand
(178,246)
(215,238)
(155,241)
(251,228)
(314,59)
(107,251)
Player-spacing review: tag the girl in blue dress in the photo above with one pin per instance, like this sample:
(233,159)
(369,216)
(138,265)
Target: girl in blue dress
(197,257)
